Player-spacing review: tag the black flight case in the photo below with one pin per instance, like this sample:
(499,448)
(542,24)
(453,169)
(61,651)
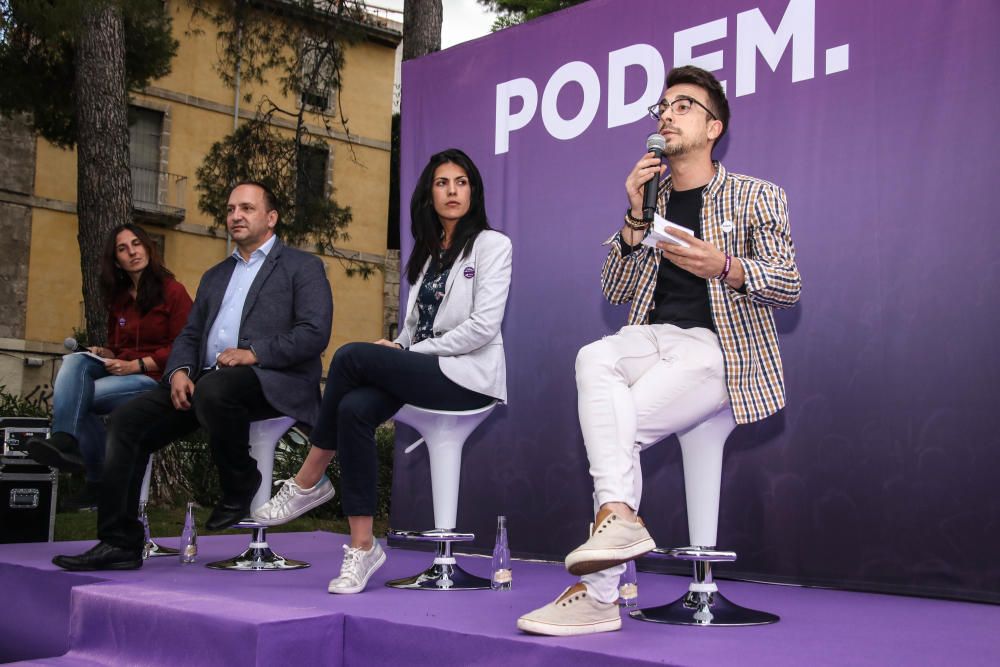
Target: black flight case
(27,489)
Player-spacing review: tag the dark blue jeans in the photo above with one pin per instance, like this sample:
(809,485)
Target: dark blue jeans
(83,392)
(366,385)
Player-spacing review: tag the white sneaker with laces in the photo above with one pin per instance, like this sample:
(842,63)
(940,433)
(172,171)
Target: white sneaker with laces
(613,541)
(574,612)
(292,501)
(358,567)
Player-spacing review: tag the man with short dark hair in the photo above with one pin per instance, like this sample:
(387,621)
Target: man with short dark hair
(250,350)
(700,335)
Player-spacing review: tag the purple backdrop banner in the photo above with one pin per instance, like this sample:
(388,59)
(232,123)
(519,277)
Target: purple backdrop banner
(877,119)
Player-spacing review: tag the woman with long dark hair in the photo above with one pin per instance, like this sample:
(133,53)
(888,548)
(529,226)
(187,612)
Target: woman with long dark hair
(147,308)
(448,356)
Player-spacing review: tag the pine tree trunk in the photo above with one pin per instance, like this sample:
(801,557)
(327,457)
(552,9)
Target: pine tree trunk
(104,183)
(421,27)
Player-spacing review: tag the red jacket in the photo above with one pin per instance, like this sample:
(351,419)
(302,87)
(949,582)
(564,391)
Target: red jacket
(133,336)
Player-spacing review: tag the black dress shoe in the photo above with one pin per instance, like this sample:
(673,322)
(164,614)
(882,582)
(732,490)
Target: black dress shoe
(101,557)
(60,450)
(225,515)
(230,511)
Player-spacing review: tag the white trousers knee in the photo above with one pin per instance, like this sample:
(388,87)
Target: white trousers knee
(635,388)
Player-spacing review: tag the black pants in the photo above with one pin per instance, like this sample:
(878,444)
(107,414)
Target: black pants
(366,385)
(225,401)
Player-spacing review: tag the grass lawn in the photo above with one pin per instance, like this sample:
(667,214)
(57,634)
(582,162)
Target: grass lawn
(168,522)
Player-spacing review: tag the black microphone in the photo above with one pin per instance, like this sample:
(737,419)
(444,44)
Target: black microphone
(71,344)
(657,144)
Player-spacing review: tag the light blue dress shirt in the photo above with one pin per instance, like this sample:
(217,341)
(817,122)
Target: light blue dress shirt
(225,329)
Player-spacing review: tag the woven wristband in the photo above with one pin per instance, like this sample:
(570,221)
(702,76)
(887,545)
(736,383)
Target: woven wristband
(725,269)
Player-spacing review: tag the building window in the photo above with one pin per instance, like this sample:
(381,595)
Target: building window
(157,196)
(145,130)
(317,72)
(310,180)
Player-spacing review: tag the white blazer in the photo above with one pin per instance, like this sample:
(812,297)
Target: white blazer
(467,337)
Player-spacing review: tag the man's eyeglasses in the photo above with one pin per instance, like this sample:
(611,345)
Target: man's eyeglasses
(680,106)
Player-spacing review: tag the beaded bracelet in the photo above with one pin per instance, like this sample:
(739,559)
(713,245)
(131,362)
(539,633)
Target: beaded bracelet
(634,223)
(725,269)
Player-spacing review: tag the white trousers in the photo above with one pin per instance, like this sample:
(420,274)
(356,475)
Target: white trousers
(634,389)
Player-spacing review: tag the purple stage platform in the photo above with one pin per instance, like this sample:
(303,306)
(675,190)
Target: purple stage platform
(171,614)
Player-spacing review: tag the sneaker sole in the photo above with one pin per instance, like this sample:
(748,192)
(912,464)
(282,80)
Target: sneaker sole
(360,587)
(581,562)
(292,517)
(553,630)
(50,456)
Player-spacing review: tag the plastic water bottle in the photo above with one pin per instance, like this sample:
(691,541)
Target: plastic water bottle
(628,587)
(501,579)
(189,537)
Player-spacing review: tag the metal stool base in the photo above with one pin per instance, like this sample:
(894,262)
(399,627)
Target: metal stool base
(259,557)
(439,577)
(705,609)
(153,550)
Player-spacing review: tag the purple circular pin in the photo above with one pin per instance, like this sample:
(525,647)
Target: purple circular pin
(469,272)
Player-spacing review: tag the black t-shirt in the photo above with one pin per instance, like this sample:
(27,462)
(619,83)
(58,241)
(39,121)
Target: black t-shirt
(680,297)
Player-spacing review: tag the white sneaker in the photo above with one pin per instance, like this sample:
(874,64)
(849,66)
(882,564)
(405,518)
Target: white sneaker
(613,541)
(574,612)
(358,567)
(292,501)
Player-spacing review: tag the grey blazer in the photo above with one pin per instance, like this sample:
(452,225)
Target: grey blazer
(467,336)
(286,320)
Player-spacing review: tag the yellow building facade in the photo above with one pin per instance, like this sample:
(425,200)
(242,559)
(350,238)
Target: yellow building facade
(194,110)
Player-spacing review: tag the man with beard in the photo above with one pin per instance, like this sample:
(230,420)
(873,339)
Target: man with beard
(250,350)
(700,336)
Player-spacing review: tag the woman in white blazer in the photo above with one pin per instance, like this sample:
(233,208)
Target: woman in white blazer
(448,356)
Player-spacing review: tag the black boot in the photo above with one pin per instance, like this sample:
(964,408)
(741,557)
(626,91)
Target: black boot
(60,450)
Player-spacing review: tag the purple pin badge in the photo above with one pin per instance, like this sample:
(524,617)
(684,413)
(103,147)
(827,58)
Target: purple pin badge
(469,272)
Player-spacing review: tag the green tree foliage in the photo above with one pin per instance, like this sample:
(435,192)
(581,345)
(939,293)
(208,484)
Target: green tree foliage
(301,43)
(38,48)
(257,151)
(514,12)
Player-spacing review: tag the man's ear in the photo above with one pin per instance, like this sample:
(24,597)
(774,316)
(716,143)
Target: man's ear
(714,129)
(272,218)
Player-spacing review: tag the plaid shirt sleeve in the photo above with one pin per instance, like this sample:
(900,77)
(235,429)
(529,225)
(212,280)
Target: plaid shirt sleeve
(772,278)
(630,277)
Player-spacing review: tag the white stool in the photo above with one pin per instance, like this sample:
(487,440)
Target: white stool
(264,437)
(444,433)
(703,604)
(150,549)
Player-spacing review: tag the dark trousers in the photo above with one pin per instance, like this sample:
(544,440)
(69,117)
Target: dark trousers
(225,401)
(366,385)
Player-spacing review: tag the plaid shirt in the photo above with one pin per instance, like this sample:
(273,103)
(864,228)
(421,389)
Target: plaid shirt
(755,214)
